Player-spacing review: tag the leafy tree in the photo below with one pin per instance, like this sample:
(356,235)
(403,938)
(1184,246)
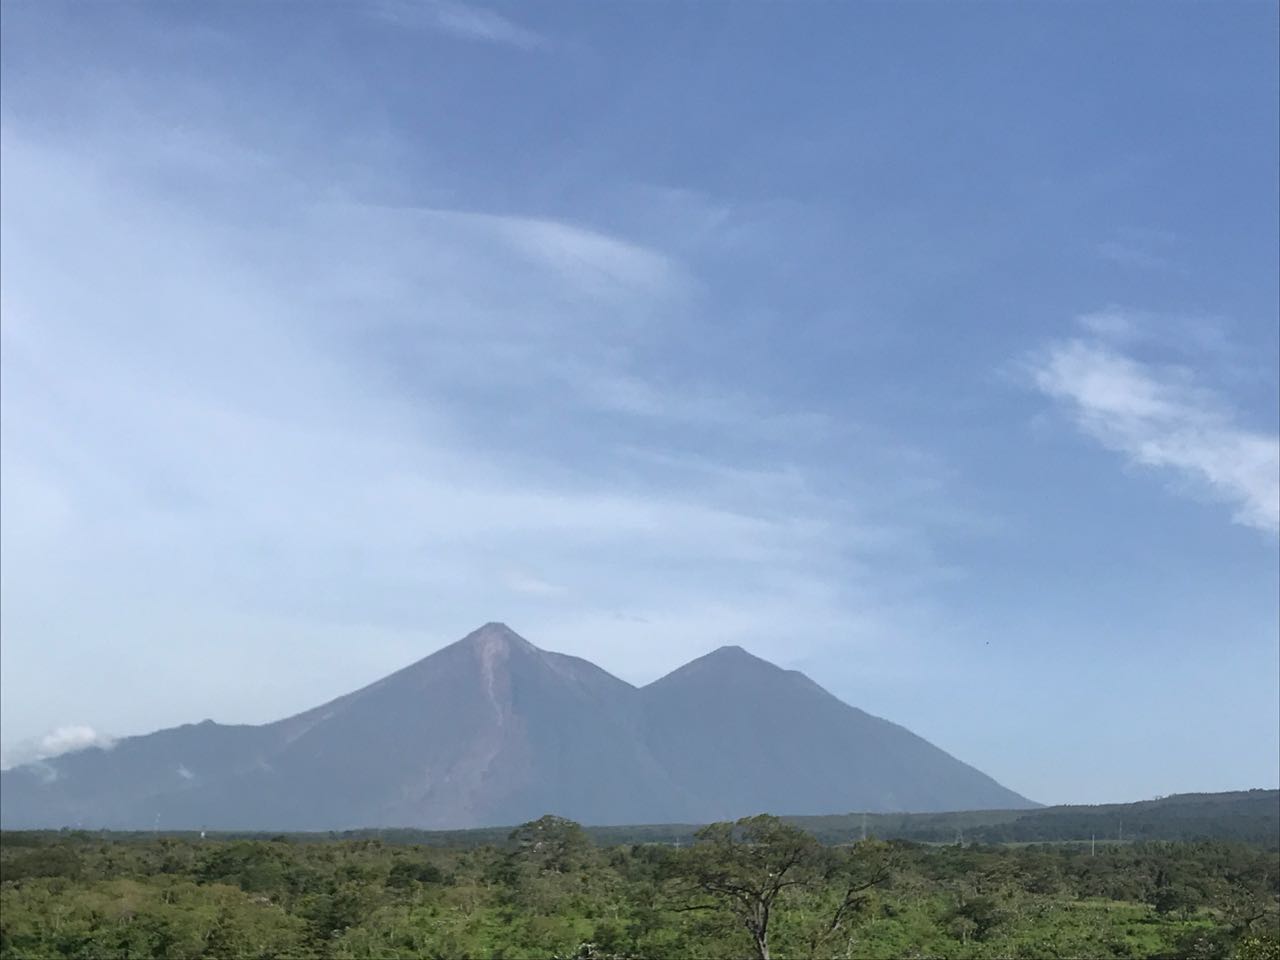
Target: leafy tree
(1266,947)
(551,844)
(975,917)
(746,866)
(41,862)
(853,873)
(404,873)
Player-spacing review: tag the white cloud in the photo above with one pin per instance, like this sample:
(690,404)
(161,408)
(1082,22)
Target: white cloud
(464,20)
(64,739)
(1158,416)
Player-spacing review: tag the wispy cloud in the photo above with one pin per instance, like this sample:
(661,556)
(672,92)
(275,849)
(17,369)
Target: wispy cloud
(1194,336)
(64,739)
(525,583)
(468,21)
(235,445)
(1143,249)
(1114,324)
(680,403)
(592,261)
(1158,416)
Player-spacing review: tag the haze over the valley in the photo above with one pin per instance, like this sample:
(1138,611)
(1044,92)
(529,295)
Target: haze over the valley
(330,331)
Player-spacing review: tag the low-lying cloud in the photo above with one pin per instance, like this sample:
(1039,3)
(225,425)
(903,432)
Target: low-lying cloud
(66,739)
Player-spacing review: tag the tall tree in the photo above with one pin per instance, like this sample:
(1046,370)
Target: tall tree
(853,872)
(551,844)
(746,866)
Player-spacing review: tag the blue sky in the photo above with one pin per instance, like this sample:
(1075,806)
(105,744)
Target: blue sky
(929,349)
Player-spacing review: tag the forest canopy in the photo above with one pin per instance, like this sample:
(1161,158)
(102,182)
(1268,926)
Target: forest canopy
(759,887)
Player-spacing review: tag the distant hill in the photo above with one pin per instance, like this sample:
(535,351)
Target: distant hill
(493,730)
(1250,817)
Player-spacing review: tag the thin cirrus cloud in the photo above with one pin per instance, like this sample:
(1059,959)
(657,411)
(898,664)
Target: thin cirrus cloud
(463,20)
(520,582)
(1143,249)
(352,434)
(1159,417)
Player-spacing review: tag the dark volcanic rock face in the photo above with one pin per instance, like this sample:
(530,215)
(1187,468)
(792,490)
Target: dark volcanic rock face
(492,730)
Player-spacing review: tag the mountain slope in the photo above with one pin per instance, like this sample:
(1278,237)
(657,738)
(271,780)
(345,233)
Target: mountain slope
(482,732)
(127,785)
(478,733)
(743,735)
(492,730)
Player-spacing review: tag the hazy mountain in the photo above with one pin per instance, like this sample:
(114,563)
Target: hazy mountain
(744,736)
(493,730)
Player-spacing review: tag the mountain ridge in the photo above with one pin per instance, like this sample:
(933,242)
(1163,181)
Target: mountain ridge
(492,729)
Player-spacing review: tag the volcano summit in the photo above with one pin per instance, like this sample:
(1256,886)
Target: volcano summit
(492,730)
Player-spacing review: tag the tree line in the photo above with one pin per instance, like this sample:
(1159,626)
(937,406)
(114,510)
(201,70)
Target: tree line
(757,887)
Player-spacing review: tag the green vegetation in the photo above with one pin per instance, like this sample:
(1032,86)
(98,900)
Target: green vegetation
(760,887)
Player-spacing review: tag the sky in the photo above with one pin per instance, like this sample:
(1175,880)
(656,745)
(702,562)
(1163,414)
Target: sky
(930,349)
